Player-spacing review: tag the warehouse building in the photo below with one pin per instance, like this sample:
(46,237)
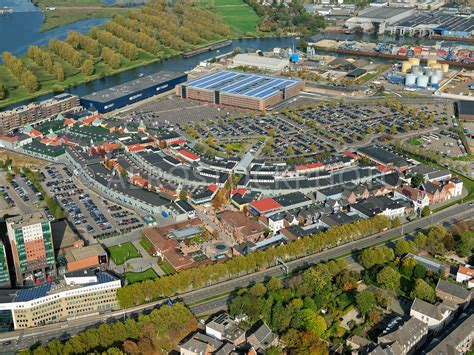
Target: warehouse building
(236,89)
(428,24)
(125,94)
(376,19)
(256,61)
(465,110)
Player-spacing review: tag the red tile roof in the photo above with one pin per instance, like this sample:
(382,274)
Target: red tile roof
(91,119)
(466,271)
(309,166)
(266,204)
(212,188)
(240,191)
(35,133)
(188,154)
(179,141)
(9,139)
(350,155)
(135,147)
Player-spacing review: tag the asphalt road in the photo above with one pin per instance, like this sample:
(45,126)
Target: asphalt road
(200,298)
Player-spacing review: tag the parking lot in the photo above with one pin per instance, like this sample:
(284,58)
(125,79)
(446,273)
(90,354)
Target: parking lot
(92,216)
(172,110)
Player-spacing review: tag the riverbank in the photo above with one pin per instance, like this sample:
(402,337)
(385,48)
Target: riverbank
(80,85)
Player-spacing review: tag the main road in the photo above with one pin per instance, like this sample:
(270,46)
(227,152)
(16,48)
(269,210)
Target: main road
(203,300)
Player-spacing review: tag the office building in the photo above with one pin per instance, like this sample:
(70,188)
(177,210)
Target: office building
(31,245)
(4,271)
(78,294)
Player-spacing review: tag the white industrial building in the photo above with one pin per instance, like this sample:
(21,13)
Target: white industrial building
(375,19)
(254,60)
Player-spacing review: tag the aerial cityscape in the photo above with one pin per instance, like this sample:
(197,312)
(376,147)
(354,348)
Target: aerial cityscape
(204,177)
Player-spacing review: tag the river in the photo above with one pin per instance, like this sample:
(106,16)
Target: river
(172,64)
(22,28)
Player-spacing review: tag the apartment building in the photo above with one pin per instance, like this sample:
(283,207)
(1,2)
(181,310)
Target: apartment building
(31,245)
(4,271)
(37,112)
(79,294)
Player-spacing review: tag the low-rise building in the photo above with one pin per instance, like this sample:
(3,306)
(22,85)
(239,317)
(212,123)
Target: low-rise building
(459,341)
(224,328)
(451,292)
(262,338)
(434,315)
(79,294)
(465,274)
(405,339)
(203,344)
(240,227)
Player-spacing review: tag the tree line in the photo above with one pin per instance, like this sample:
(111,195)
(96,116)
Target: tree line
(46,61)
(159,331)
(20,71)
(66,52)
(204,275)
(85,43)
(140,39)
(127,49)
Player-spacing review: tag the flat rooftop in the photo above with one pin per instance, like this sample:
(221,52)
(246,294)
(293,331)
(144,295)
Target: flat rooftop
(383,13)
(27,219)
(441,21)
(133,86)
(244,84)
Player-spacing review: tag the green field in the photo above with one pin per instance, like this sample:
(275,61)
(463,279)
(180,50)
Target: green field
(240,16)
(123,252)
(70,11)
(133,277)
(146,244)
(414,141)
(166,267)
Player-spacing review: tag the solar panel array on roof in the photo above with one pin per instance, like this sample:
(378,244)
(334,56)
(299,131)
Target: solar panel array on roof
(28,294)
(245,84)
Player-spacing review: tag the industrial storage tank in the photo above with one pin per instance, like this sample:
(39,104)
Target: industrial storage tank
(438,72)
(417,70)
(435,79)
(429,71)
(422,81)
(431,62)
(406,66)
(414,61)
(445,67)
(410,80)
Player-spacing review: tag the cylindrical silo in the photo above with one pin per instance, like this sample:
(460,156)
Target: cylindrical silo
(431,62)
(438,72)
(416,69)
(414,61)
(422,81)
(406,66)
(445,67)
(435,79)
(429,71)
(410,79)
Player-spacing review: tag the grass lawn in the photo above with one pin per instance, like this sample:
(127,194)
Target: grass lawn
(414,141)
(70,11)
(166,267)
(73,76)
(240,16)
(133,277)
(123,252)
(146,244)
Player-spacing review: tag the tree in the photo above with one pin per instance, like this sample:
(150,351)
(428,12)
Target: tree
(435,243)
(274,284)
(315,279)
(404,247)
(423,291)
(87,67)
(380,256)
(407,267)
(425,211)
(183,194)
(420,240)
(419,271)
(258,290)
(58,72)
(389,278)
(417,180)
(465,243)
(3,93)
(365,301)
